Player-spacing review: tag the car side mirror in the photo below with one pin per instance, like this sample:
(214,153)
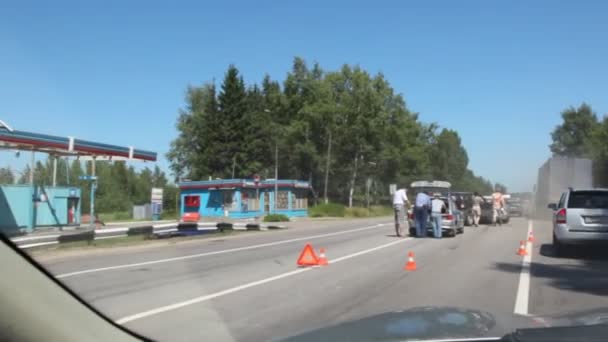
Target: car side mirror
(552,206)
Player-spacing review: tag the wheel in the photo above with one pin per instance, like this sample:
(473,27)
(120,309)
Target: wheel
(452,233)
(558,248)
(467,221)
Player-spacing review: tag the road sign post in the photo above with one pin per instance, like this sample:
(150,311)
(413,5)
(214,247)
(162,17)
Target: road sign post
(157,203)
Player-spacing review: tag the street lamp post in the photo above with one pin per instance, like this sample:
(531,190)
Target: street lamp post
(276,168)
(276,174)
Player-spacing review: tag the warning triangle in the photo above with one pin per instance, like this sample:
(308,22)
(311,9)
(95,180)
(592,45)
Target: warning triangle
(308,257)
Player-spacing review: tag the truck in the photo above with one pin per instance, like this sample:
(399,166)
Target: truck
(558,174)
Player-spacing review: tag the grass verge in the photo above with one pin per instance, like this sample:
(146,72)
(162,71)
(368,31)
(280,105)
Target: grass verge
(339,210)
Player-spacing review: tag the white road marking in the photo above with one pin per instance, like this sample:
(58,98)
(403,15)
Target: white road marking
(200,255)
(246,286)
(467,339)
(523,289)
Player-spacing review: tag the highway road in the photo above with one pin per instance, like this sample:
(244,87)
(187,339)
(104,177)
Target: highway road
(247,287)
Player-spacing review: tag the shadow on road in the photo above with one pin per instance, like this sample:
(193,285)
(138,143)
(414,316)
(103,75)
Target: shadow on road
(599,252)
(589,273)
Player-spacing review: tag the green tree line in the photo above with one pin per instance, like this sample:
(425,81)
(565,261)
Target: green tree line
(119,186)
(582,134)
(340,130)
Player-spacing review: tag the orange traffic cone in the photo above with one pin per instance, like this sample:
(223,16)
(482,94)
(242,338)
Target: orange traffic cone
(411,263)
(522,248)
(531,236)
(322,259)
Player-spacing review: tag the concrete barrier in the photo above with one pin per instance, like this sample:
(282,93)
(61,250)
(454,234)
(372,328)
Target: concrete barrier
(84,236)
(253,226)
(143,230)
(221,226)
(160,231)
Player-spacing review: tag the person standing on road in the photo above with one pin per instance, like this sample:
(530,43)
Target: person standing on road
(459,212)
(437,206)
(477,200)
(399,202)
(498,203)
(421,213)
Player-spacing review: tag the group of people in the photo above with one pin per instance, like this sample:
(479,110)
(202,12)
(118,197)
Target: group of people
(431,205)
(423,205)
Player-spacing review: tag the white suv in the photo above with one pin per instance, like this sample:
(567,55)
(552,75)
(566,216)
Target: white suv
(581,216)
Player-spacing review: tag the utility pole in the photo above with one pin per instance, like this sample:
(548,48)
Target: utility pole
(276,174)
(327,167)
(93,188)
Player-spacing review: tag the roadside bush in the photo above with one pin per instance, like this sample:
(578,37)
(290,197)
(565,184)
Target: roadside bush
(169,215)
(378,210)
(327,210)
(356,212)
(276,218)
(374,210)
(115,216)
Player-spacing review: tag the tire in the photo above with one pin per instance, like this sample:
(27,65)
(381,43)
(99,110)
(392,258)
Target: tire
(558,248)
(467,221)
(452,233)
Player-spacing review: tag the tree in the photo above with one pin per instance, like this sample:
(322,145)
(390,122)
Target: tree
(572,137)
(232,108)
(336,129)
(500,187)
(158,178)
(6,176)
(449,158)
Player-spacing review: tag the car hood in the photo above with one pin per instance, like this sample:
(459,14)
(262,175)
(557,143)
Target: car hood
(430,323)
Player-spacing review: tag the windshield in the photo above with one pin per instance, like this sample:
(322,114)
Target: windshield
(251,171)
(588,200)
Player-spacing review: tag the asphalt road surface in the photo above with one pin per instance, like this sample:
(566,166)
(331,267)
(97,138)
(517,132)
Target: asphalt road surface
(247,287)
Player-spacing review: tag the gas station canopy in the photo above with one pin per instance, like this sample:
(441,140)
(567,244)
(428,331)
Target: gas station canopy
(68,146)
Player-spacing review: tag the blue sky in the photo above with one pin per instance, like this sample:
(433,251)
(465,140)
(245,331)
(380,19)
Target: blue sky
(498,72)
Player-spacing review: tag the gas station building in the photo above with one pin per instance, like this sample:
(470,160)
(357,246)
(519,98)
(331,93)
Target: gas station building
(243,198)
(26,207)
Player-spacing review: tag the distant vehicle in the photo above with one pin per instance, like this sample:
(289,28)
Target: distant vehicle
(467,206)
(580,217)
(559,173)
(453,221)
(487,212)
(515,207)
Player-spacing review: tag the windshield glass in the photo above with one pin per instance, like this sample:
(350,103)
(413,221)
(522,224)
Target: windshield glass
(588,200)
(252,170)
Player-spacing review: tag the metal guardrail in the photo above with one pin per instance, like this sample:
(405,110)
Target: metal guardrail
(158,230)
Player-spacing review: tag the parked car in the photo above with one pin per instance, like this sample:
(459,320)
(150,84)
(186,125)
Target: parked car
(487,212)
(515,207)
(466,200)
(580,217)
(453,220)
